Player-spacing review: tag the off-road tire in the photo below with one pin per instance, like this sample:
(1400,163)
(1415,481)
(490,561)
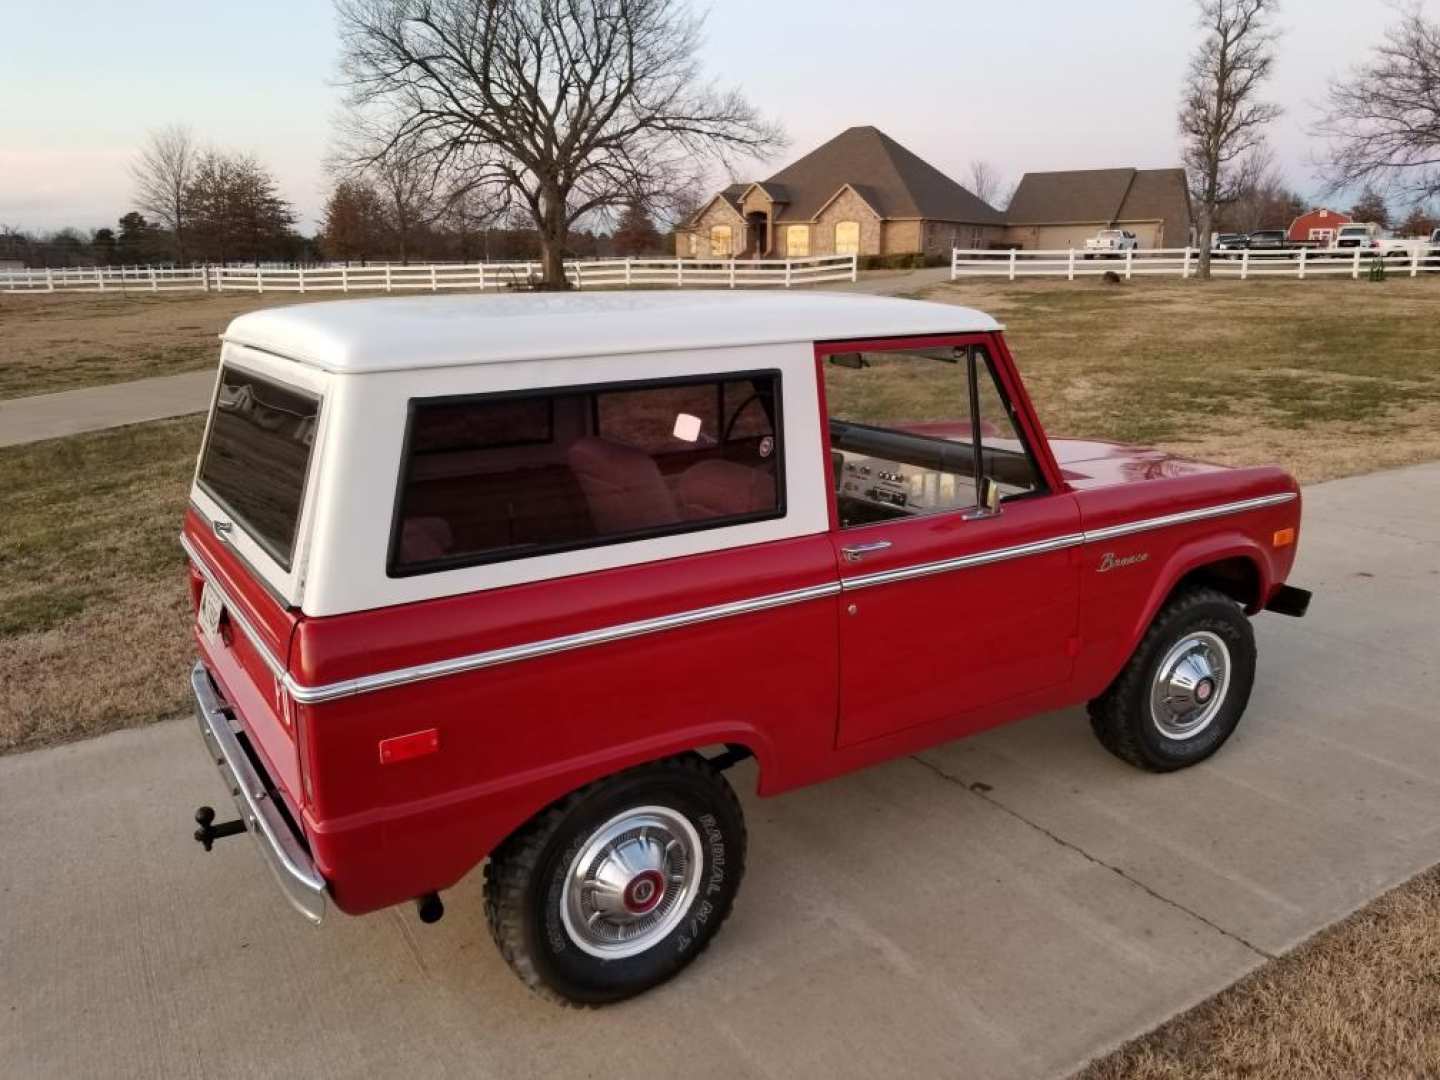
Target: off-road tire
(1121,716)
(524,882)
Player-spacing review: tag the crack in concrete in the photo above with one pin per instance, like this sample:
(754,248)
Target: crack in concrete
(982,791)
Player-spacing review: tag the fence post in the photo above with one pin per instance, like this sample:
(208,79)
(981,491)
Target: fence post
(1012,264)
(627,271)
(219,278)
(1355,270)
(300,270)
(787,273)
(154,285)
(1302,264)
(1185,266)
(100,278)
(1415,261)
(480,271)
(387,277)
(1129,262)
(732,271)
(954,262)
(433,286)
(1071,272)
(854,265)
(49,280)
(259,280)
(679,272)
(345,278)
(1244,264)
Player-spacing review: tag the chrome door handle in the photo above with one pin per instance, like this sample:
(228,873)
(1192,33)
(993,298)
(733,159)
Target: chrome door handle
(222,529)
(856,552)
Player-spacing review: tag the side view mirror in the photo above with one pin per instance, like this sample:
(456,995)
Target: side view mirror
(990,495)
(989,492)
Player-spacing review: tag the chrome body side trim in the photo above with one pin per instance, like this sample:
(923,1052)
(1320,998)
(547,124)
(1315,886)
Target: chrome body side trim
(1183,517)
(272,662)
(308,695)
(281,849)
(979,558)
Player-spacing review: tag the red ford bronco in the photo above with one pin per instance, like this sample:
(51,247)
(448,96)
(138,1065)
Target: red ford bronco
(513,580)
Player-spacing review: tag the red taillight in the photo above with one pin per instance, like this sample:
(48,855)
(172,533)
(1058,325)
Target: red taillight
(404,747)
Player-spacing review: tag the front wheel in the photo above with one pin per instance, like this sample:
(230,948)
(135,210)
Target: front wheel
(1183,691)
(619,886)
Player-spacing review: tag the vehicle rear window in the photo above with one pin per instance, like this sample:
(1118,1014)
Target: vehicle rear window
(507,476)
(257,456)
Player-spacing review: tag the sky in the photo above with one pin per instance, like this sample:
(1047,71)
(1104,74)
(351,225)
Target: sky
(1023,84)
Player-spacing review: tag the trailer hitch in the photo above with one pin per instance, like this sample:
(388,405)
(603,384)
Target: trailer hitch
(208,832)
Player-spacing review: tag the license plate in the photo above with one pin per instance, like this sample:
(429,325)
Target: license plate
(212,609)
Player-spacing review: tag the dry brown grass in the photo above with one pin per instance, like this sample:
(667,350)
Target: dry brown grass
(1361,1000)
(62,341)
(92,602)
(1326,378)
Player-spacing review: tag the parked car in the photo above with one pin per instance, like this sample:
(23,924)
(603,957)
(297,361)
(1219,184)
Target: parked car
(1230,244)
(1268,240)
(1112,242)
(513,580)
(1361,234)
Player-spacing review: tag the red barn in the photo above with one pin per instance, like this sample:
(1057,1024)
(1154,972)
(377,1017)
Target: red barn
(1317,226)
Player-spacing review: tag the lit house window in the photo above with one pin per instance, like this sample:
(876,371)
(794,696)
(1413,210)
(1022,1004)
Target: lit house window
(693,243)
(797,241)
(720,240)
(847,238)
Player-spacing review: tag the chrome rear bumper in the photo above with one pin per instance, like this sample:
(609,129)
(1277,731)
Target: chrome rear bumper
(281,849)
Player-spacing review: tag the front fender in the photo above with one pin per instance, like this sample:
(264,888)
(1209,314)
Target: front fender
(1115,641)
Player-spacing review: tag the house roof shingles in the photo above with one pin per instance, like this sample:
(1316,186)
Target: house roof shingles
(1083,196)
(892,180)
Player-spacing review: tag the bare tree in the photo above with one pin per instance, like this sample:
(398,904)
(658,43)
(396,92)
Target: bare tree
(1222,119)
(1383,120)
(163,174)
(567,109)
(987,183)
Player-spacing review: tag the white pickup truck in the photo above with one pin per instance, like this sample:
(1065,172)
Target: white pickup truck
(1369,237)
(1111,242)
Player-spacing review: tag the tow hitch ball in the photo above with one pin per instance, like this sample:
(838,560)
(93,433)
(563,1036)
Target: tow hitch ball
(208,832)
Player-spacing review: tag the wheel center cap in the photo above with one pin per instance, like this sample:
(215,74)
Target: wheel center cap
(644,892)
(1203,689)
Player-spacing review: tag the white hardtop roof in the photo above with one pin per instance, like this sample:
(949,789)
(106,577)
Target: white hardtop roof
(396,334)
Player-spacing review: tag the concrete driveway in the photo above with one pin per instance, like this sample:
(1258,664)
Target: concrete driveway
(1003,907)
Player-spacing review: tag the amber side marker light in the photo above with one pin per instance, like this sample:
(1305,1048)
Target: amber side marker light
(1283,537)
(405,747)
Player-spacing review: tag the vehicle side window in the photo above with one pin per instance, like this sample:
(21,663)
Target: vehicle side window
(902,436)
(509,476)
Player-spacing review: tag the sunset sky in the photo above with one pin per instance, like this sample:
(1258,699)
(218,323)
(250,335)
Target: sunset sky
(1028,84)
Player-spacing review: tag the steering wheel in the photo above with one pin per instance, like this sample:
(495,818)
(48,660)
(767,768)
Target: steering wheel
(730,427)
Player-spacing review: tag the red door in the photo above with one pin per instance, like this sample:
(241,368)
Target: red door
(954,615)
(946,609)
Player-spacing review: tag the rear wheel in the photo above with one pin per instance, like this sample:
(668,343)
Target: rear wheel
(1182,693)
(619,886)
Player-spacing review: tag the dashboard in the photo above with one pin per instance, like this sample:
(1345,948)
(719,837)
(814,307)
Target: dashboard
(898,487)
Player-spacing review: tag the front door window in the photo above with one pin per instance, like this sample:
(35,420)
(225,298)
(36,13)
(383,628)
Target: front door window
(903,439)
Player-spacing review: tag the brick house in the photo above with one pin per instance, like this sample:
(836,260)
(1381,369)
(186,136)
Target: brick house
(860,193)
(1058,210)
(1317,226)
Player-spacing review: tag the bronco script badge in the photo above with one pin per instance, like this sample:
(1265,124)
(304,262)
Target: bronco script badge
(1111,561)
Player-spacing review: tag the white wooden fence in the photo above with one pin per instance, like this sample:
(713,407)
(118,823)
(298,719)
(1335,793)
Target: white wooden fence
(432,277)
(1303,263)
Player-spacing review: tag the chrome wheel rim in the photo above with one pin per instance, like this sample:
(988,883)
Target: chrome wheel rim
(1190,685)
(632,882)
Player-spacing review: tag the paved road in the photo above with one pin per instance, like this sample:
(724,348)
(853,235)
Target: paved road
(1006,906)
(51,416)
(70,412)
